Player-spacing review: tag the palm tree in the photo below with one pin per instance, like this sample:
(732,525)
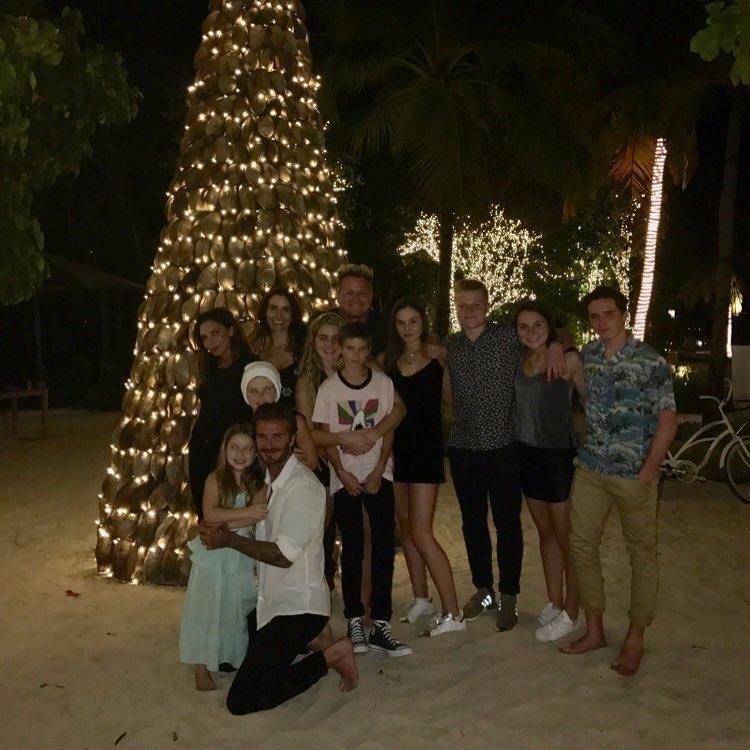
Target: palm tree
(725,30)
(446,98)
(650,92)
(409,84)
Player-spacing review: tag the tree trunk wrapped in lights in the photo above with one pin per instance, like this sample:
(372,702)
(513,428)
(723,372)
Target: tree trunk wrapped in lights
(652,237)
(251,206)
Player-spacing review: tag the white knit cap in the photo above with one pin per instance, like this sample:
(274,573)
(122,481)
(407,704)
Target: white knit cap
(261,370)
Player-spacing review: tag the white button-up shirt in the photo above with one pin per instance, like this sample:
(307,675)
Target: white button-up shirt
(295,523)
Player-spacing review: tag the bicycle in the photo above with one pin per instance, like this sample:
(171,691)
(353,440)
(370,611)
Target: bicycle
(734,458)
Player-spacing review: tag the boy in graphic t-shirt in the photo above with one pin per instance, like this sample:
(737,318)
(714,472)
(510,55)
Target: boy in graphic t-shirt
(357,398)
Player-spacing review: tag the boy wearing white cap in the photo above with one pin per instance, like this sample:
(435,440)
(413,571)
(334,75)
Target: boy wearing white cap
(261,384)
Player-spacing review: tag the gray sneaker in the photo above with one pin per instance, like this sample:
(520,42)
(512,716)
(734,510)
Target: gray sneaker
(507,615)
(482,603)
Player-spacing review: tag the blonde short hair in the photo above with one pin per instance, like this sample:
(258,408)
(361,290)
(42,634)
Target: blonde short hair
(472,285)
(355,271)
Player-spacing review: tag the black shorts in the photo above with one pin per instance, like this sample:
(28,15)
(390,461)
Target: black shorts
(546,473)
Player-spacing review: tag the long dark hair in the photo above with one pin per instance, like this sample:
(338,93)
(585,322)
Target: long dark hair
(297,329)
(222,316)
(529,305)
(395,346)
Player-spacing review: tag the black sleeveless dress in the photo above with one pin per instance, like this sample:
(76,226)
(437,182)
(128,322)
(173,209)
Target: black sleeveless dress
(418,442)
(222,404)
(288,383)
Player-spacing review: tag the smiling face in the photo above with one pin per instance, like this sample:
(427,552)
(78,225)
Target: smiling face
(259,391)
(279,315)
(216,339)
(355,352)
(327,343)
(354,297)
(606,319)
(471,309)
(409,325)
(240,452)
(533,329)
(275,441)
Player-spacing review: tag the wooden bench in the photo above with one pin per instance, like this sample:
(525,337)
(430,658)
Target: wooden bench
(14,396)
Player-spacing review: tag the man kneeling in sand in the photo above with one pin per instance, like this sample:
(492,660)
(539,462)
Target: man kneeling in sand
(294,602)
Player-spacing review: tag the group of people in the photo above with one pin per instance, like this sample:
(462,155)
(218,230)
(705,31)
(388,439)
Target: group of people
(337,425)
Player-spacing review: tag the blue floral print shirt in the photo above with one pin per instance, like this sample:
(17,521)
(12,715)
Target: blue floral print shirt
(624,397)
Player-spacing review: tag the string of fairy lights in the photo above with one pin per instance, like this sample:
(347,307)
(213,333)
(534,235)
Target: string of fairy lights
(252,205)
(495,250)
(652,236)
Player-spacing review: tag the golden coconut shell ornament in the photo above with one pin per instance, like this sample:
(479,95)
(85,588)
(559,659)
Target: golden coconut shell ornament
(251,205)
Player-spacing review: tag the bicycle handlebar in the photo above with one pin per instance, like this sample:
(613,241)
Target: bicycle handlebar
(721,401)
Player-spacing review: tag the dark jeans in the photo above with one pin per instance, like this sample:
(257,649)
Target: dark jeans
(477,476)
(267,676)
(348,515)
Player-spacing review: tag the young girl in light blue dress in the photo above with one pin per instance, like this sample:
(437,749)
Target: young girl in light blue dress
(221,590)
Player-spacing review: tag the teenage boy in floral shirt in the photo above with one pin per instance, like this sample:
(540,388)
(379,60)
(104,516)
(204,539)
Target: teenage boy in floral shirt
(631,421)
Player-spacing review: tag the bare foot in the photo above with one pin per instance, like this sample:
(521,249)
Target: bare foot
(589,641)
(203,680)
(629,658)
(340,656)
(322,641)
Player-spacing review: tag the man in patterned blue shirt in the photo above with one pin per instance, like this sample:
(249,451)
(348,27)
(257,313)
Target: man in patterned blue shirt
(631,420)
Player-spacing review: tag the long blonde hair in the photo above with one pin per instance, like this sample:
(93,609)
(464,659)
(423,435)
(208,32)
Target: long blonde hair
(252,479)
(311,369)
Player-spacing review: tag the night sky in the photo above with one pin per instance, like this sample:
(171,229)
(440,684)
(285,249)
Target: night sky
(158,39)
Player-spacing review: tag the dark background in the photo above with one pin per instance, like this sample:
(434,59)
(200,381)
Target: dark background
(110,215)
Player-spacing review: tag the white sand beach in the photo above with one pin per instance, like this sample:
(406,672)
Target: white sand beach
(86,668)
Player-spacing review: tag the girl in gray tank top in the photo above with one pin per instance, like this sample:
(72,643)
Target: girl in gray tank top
(543,417)
(546,446)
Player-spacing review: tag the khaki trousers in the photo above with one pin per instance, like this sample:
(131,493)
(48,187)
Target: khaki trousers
(593,496)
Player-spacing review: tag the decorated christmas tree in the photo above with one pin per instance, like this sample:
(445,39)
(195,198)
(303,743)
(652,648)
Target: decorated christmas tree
(251,207)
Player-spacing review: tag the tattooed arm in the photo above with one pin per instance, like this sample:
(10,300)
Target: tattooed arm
(217,537)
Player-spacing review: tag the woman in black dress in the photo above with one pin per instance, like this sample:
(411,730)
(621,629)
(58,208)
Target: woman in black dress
(223,354)
(279,336)
(418,464)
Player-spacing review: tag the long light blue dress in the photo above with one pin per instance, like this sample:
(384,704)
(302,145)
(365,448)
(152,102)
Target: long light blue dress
(221,594)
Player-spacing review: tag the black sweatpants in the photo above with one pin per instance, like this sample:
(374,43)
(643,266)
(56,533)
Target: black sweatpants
(329,546)
(477,476)
(348,515)
(267,676)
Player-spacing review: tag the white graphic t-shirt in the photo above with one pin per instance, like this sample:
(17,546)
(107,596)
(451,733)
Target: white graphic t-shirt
(345,407)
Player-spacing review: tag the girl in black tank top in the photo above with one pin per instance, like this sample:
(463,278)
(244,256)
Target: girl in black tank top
(418,464)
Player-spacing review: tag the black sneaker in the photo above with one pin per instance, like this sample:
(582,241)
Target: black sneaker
(383,640)
(355,632)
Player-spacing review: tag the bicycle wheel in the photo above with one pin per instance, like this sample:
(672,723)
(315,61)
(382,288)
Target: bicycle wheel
(738,470)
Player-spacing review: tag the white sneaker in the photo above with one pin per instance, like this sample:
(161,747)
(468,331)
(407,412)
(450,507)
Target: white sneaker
(549,613)
(445,624)
(418,608)
(561,626)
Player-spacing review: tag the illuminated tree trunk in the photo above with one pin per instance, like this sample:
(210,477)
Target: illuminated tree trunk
(445,275)
(723,278)
(251,206)
(652,237)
